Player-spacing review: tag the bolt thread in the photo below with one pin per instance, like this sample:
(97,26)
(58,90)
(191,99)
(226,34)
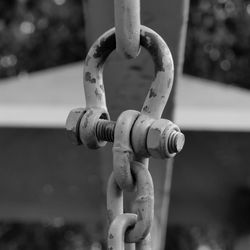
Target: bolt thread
(105,130)
(175,142)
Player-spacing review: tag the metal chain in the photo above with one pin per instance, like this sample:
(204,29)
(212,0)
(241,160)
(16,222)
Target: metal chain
(136,135)
(143,206)
(130,175)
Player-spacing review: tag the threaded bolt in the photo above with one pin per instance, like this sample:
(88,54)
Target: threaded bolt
(105,130)
(176,142)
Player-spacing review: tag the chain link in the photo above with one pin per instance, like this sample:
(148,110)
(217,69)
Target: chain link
(115,209)
(143,205)
(122,149)
(114,199)
(127,27)
(117,230)
(130,175)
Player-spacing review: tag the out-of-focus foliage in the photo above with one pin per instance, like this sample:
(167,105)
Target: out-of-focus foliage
(199,238)
(39,34)
(38,236)
(218,41)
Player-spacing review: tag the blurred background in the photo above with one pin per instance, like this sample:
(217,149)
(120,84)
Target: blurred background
(51,35)
(211,174)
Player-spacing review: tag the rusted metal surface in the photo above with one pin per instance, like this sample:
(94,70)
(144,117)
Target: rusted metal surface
(127,27)
(95,94)
(160,87)
(93,70)
(130,151)
(167,18)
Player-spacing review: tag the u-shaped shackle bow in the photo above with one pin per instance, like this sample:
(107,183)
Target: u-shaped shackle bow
(164,69)
(150,135)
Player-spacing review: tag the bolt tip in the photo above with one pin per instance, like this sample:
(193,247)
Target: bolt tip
(179,141)
(176,142)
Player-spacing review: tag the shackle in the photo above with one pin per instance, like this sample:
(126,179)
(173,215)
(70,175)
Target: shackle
(92,126)
(164,69)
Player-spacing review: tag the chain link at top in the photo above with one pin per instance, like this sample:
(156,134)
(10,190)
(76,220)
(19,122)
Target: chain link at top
(127,25)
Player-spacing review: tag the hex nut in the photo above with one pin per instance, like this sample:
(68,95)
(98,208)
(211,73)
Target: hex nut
(87,127)
(157,138)
(73,123)
(139,134)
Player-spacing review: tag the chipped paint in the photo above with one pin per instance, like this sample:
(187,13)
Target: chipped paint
(150,42)
(88,78)
(152,93)
(127,172)
(98,94)
(102,87)
(161,85)
(118,228)
(146,109)
(102,50)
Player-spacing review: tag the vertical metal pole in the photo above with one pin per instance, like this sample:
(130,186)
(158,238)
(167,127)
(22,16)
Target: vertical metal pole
(126,82)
